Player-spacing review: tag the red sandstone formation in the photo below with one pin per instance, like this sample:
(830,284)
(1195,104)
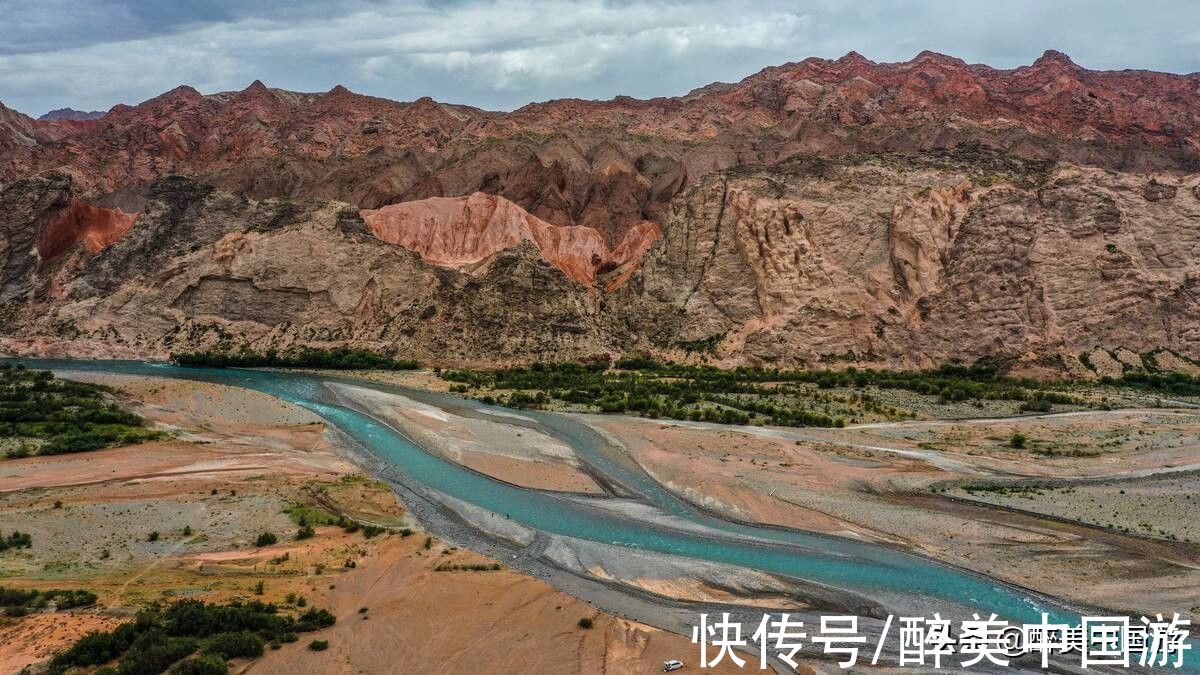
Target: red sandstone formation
(826,211)
(612,164)
(95,227)
(459,231)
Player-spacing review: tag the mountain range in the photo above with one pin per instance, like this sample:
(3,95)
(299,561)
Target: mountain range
(815,213)
(71,114)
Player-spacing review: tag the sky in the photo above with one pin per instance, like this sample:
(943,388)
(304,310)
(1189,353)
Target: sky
(501,54)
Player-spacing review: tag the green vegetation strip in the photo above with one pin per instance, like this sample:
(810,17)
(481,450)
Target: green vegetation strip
(44,415)
(189,636)
(730,396)
(19,602)
(307,515)
(744,395)
(1175,384)
(340,358)
(471,567)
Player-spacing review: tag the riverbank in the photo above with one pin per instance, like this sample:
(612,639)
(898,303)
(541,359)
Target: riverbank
(235,462)
(588,544)
(901,485)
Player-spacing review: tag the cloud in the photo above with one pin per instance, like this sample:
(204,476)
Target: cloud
(501,54)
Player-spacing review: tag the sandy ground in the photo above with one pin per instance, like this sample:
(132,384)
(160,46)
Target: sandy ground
(419,620)
(1080,444)
(835,484)
(36,637)
(238,459)
(513,454)
(417,379)
(1164,507)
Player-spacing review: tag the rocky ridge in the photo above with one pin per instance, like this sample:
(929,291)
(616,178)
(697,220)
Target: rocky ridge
(612,164)
(461,231)
(71,114)
(817,213)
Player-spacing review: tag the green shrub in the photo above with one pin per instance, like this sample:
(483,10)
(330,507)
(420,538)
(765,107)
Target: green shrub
(234,645)
(318,645)
(160,638)
(315,619)
(15,540)
(204,664)
(339,358)
(741,395)
(154,652)
(54,416)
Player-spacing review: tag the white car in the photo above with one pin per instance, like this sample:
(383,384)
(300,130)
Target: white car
(673,664)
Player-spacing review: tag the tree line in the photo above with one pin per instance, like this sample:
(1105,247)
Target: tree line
(188,637)
(337,358)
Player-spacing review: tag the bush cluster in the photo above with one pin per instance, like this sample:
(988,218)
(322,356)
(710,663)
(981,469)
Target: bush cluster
(62,415)
(188,636)
(1175,384)
(338,358)
(18,602)
(739,395)
(470,567)
(15,539)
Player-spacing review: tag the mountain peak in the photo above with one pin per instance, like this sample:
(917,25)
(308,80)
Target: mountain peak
(181,93)
(256,90)
(72,115)
(927,56)
(853,57)
(1054,57)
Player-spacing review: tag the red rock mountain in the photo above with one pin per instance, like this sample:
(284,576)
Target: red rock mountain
(461,231)
(816,212)
(92,226)
(611,164)
(71,114)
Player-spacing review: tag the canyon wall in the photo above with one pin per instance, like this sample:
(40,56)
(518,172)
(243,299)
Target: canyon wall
(880,260)
(911,262)
(462,231)
(816,213)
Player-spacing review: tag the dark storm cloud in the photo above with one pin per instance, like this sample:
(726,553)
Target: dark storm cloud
(50,25)
(505,53)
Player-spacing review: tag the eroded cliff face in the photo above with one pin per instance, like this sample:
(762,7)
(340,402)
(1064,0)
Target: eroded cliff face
(463,231)
(43,223)
(880,259)
(204,267)
(814,213)
(609,165)
(1087,261)
(904,262)
(79,223)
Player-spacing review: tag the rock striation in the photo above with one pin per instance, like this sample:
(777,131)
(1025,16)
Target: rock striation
(78,223)
(612,164)
(463,231)
(915,262)
(814,214)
